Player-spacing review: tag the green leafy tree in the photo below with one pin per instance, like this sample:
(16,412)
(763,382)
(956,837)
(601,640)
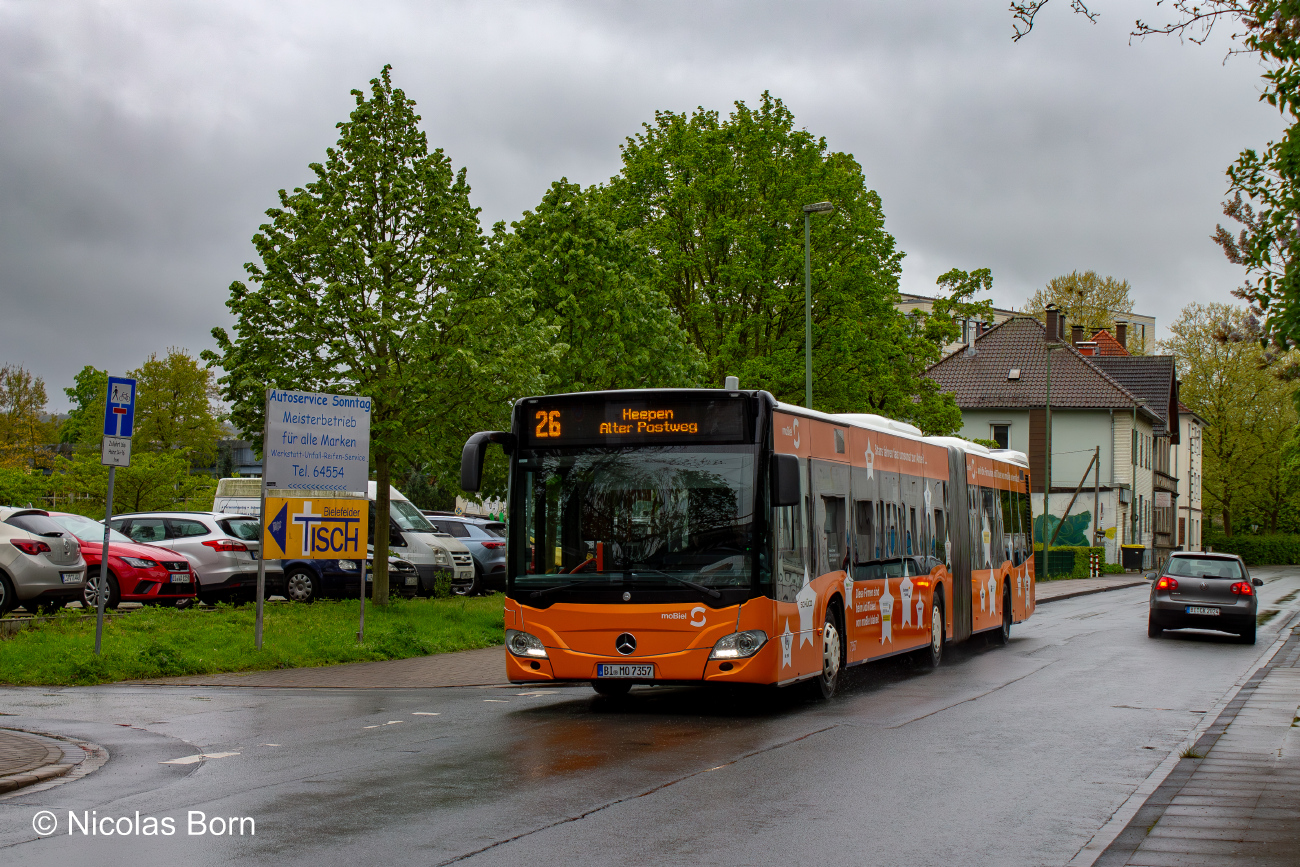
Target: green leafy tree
(22,487)
(718,204)
(174,406)
(155,480)
(1230,380)
(26,429)
(1087,299)
(593,285)
(375,280)
(85,422)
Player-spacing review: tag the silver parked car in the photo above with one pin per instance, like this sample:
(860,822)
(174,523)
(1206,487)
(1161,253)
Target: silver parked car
(40,563)
(223,547)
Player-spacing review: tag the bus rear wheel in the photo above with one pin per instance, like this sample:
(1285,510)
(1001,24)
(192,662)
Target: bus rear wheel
(1002,634)
(932,655)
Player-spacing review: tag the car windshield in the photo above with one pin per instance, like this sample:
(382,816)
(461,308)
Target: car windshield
(1203,567)
(87,529)
(643,517)
(409,518)
(241,528)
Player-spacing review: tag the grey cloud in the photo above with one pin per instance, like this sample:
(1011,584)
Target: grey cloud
(142,142)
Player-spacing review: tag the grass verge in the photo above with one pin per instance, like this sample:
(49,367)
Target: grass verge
(164,642)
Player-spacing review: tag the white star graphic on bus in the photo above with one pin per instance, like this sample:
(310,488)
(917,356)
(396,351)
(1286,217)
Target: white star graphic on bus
(987,537)
(806,599)
(871,461)
(920,613)
(787,642)
(993,594)
(984,604)
(886,615)
(848,590)
(905,599)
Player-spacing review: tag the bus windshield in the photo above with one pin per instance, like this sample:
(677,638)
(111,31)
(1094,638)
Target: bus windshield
(644,517)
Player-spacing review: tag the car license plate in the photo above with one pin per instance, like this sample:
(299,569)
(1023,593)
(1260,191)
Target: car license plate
(70,577)
(465,573)
(180,578)
(1193,609)
(411,580)
(642,671)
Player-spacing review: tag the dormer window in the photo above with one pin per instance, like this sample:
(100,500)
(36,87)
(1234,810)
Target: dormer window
(1013,373)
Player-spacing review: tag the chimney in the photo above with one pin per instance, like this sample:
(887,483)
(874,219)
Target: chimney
(1121,333)
(1053,323)
(979,330)
(1076,334)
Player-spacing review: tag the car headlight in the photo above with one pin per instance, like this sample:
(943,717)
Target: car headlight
(441,557)
(348,565)
(739,645)
(139,562)
(523,644)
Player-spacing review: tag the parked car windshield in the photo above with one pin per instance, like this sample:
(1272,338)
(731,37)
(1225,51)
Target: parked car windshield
(87,529)
(407,517)
(34,522)
(1203,567)
(241,528)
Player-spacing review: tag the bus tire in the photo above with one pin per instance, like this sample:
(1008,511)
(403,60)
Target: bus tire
(612,688)
(1002,634)
(932,655)
(825,683)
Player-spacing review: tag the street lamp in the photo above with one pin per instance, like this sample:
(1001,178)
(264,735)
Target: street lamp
(808,211)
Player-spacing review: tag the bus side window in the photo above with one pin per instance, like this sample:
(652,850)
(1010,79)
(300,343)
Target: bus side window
(1009,549)
(864,536)
(834,533)
(912,539)
(789,552)
(940,537)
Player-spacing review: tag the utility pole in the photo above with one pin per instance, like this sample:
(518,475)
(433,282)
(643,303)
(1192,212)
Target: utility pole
(808,211)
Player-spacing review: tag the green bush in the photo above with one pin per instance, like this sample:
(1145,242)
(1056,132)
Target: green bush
(1279,550)
(1075,565)
(442,585)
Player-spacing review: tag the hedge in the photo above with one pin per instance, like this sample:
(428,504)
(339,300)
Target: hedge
(1279,550)
(1074,566)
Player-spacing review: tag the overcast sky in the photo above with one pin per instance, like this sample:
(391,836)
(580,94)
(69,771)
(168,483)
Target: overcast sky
(141,142)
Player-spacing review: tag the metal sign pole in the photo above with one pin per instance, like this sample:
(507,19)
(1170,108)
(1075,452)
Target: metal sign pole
(102,593)
(261,523)
(361,629)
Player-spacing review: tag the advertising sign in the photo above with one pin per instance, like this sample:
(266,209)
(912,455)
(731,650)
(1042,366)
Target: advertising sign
(316,442)
(315,529)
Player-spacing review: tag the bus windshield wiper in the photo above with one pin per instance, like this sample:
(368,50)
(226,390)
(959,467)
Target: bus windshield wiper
(538,594)
(691,584)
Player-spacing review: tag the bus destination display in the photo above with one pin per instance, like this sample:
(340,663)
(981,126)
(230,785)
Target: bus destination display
(618,422)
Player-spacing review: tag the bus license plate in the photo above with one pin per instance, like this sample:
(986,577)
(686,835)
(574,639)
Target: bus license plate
(1192,609)
(180,578)
(642,671)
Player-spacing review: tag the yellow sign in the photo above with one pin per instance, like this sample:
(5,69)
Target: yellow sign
(315,529)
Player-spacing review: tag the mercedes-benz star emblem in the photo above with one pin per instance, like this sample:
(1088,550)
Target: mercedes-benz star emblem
(625,643)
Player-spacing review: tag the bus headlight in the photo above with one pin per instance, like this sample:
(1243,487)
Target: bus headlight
(739,645)
(523,644)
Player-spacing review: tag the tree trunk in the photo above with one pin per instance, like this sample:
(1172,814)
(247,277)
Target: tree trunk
(383,471)
(1227,522)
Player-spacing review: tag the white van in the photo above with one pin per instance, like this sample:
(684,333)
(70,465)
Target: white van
(429,550)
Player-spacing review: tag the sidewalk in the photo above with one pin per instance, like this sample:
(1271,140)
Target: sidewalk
(486,667)
(27,759)
(1240,804)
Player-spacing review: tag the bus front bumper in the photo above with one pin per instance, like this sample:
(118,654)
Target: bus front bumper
(688,666)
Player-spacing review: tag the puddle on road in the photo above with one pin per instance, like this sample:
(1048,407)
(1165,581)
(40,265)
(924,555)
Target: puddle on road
(1287,598)
(1265,616)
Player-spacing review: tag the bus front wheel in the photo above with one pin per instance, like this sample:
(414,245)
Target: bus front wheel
(1002,634)
(832,654)
(932,655)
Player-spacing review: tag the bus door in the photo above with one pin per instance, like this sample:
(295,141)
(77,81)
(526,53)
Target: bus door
(959,535)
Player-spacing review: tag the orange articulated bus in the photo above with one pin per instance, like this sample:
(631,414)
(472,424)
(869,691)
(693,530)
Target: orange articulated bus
(708,536)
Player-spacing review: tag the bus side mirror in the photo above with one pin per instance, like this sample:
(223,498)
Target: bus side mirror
(471,457)
(785,480)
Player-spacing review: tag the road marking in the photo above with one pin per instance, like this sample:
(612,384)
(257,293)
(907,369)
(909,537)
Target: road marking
(190,760)
(268,745)
(425,713)
(391,722)
(550,692)
(501,700)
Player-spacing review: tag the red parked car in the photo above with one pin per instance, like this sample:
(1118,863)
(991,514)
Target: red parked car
(136,573)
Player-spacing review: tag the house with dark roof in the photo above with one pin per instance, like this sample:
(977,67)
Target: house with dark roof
(1110,421)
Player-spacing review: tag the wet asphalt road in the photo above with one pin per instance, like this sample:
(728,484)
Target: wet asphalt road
(1005,756)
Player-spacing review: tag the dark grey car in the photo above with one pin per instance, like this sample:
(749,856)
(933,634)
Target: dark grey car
(1198,590)
(486,541)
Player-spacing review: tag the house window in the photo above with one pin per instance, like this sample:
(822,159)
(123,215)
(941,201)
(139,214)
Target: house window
(1002,435)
